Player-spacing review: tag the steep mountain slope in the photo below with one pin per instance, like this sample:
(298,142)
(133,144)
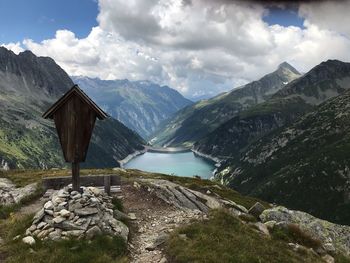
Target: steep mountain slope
(140,105)
(196,121)
(28,86)
(324,81)
(304,166)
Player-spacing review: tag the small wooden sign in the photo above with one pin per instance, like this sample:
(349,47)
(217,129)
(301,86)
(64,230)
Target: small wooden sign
(75,115)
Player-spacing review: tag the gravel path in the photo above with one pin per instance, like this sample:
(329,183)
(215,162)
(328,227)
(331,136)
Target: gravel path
(154,221)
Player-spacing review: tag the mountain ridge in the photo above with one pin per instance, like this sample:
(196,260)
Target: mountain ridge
(140,105)
(322,82)
(194,122)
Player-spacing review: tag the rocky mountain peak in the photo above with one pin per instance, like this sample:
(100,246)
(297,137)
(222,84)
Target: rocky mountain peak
(285,66)
(39,76)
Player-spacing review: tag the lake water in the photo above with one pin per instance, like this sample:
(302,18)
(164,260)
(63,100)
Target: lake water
(180,164)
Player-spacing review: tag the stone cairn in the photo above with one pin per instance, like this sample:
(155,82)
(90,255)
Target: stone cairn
(72,214)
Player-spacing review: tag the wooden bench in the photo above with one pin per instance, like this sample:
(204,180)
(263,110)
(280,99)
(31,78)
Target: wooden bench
(108,182)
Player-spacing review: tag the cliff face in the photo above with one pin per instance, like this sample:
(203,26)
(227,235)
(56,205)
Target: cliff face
(28,86)
(303,165)
(196,121)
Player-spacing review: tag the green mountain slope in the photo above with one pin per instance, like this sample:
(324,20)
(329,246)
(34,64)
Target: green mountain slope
(304,166)
(28,86)
(324,81)
(196,121)
(140,105)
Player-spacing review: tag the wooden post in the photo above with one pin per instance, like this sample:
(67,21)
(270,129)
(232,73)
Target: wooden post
(76,176)
(107,183)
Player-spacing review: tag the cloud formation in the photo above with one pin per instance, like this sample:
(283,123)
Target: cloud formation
(198,47)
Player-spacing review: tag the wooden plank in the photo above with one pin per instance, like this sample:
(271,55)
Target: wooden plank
(91,180)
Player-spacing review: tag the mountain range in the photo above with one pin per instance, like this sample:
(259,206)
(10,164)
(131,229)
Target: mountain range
(324,81)
(140,105)
(197,120)
(28,87)
(292,148)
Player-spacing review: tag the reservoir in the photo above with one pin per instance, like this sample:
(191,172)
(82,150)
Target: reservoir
(180,164)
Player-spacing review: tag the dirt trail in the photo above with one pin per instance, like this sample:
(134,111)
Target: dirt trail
(154,221)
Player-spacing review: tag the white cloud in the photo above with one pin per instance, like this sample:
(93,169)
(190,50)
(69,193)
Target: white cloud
(198,47)
(15,47)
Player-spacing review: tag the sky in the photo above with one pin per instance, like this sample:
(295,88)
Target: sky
(198,47)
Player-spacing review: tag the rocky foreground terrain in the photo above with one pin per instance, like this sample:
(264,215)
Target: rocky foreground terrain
(154,208)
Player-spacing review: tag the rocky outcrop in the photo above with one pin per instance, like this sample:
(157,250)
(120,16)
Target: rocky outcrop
(332,236)
(83,215)
(9,194)
(187,199)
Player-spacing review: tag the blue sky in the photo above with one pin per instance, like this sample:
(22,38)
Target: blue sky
(284,17)
(39,19)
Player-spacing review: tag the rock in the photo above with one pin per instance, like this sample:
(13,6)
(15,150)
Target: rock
(68,226)
(49,212)
(234,212)
(270,224)
(256,209)
(132,216)
(329,248)
(74,206)
(92,232)
(41,225)
(160,239)
(16,237)
(163,260)
(38,216)
(85,211)
(29,240)
(74,233)
(261,227)
(120,228)
(328,259)
(64,213)
(59,219)
(48,205)
(55,235)
(326,232)
(137,185)
(32,228)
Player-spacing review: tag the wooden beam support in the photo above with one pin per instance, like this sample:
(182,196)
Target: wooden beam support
(107,184)
(76,176)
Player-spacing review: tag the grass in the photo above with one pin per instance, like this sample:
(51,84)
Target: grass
(224,238)
(293,234)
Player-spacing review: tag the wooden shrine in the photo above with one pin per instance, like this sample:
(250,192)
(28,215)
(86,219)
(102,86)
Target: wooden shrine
(75,115)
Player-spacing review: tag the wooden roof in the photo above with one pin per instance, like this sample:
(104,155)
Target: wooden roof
(75,90)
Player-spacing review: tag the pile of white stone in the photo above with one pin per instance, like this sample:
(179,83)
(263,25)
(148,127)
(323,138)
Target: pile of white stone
(81,215)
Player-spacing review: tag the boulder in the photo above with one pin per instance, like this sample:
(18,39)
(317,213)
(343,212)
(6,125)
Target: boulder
(28,240)
(331,235)
(256,209)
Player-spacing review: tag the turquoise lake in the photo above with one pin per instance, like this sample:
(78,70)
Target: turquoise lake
(180,164)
